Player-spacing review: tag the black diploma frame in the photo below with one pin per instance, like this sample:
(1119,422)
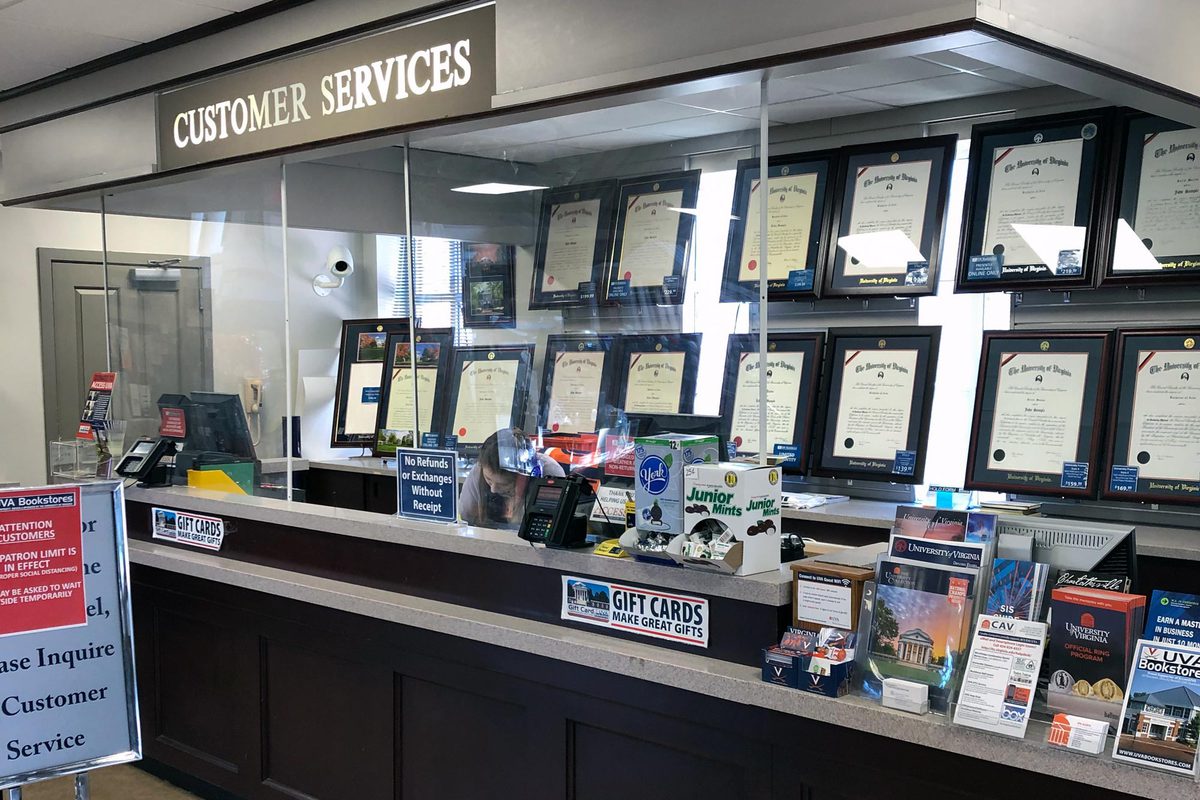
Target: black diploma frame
(639,193)
(883,164)
(866,352)
(468,441)
(742,345)
(649,345)
(363,341)
(586,198)
(433,351)
(1001,352)
(488,296)
(560,349)
(1000,146)
(821,167)
(1169,357)
(1142,134)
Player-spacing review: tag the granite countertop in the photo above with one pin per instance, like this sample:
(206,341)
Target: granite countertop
(861,513)
(770,588)
(687,671)
(364,465)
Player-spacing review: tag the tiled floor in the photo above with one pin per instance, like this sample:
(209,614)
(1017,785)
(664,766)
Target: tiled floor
(110,783)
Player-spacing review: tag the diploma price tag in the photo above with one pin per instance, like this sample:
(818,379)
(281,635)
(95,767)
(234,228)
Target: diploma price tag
(1123,479)
(731,450)
(451,442)
(587,291)
(985,267)
(800,280)
(1075,475)
(790,452)
(916,273)
(672,287)
(905,463)
(618,290)
(430,441)
(370,394)
(1070,262)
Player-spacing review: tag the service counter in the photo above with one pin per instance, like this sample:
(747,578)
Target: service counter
(334,653)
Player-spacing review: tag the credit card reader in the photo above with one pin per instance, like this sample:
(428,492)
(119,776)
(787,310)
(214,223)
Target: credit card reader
(143,461)
(557,516)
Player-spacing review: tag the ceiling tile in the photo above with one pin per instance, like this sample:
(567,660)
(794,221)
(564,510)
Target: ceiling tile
(615,140)
(932,90)
(228,5)
(542,151)
(880,73)
(58,47)
(833,105)
(708,125)
(15,70)
(746,96)
(136,20)
(949,58)
(1015,78)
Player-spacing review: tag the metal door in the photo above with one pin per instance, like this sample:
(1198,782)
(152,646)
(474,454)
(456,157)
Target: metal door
(159,333)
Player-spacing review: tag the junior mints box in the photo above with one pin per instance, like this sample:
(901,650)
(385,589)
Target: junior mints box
(731,518)
(658,466)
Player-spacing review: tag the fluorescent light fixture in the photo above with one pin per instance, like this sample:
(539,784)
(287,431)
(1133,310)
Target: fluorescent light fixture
(497,188)
(695,212)
(890,250)
(1048,242)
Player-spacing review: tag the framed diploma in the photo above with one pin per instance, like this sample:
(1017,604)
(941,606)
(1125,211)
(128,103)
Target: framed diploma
(487,393)
(1038,410)
(890,218)
(792,373)
(412,403)
(878,390)
(575,380)
(657,373)
(1154,445)
(360,379)
(574,235)
(655,218)
(1156,238)
(798,209)
(488,298)
(1034,203)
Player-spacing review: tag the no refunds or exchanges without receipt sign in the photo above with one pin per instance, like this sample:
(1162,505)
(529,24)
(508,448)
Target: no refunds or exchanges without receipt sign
(68,702)
(428,484)
(439,67)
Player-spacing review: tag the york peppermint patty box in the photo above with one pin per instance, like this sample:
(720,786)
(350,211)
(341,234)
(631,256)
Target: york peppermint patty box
(658,463)
(731,515)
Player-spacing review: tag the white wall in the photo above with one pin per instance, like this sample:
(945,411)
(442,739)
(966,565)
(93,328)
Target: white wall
(247,310)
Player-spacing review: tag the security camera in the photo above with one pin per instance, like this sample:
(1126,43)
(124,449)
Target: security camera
(340,263)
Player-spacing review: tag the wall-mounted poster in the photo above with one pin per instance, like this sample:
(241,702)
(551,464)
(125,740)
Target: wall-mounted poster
(487,393)
(488,298)
(1038,408)
(1156,238)
(413,398)
(878,391)
(576,377)
(792,369)
(1154,445)
(656,373)
(890,218)
(655,219)
(1034,203)
(360,379)
(574,237)
(798,207)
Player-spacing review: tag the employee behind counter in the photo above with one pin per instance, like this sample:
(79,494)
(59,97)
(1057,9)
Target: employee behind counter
(495,492)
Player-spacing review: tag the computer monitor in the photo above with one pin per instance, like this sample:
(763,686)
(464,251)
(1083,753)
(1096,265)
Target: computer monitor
(216,423)
(1075,545)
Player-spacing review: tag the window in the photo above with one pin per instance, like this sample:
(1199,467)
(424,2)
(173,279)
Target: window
(437,279)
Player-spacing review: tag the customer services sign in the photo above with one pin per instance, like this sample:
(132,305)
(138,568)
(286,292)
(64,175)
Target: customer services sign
(646,612)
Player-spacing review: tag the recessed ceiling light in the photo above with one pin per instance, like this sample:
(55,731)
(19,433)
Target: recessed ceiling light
(497,188)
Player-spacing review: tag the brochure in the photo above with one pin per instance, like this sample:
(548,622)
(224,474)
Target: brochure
(1160,719)
(944,524)
(1173,617)
(1001,675)
(919,636)
(1017,589)
(956,583)
(968,555)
